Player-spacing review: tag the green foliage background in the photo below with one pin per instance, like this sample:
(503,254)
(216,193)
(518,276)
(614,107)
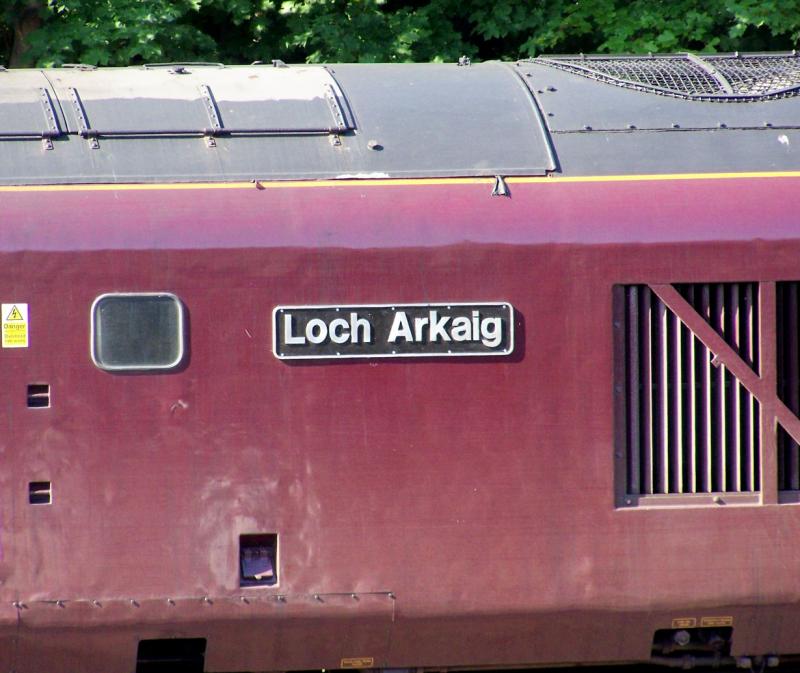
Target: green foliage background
(122,32)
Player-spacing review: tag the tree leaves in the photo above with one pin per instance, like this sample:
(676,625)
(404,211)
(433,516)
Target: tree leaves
(122,32)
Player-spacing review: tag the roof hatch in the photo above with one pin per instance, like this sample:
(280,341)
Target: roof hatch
(203,100)
(26,107)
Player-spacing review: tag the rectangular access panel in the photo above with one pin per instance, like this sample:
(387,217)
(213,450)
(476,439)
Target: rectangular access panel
(204,99)
(27,106)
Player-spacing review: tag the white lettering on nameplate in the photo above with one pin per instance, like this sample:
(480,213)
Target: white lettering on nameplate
(410,330)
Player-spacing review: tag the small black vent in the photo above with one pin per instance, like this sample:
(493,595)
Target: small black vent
(171,655)
(788,349)
(38,396)
(690,426)
(710,77)
(258,560)
(40,493)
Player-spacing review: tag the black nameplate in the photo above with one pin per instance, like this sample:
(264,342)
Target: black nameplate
(393,330)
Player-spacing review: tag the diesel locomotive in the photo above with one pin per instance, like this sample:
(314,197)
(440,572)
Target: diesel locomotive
(441,366)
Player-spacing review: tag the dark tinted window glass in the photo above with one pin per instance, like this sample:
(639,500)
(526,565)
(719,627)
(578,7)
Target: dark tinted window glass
(137,331)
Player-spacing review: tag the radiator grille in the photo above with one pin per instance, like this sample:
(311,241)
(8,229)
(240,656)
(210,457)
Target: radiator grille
(691,427)
(788,351)
(759,76)
(671,73)
(718,77)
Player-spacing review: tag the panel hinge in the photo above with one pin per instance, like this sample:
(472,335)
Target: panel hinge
(500,187)
(84,130)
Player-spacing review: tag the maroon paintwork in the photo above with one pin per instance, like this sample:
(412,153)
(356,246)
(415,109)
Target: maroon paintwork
(480,493)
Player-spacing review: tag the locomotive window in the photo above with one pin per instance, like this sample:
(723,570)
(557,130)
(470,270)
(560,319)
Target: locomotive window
(137,331)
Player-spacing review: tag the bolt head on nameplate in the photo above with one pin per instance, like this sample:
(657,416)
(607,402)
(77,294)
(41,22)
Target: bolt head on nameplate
(393,330)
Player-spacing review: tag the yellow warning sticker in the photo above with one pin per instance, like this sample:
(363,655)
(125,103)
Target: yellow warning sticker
(716,621)
(358,662)
(684,622)
(15,325)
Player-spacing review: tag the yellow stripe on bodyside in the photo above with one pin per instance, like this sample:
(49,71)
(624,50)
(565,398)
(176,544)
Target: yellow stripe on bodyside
(656,177)
(394,182)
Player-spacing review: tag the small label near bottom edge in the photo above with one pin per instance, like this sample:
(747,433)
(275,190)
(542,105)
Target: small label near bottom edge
(358,662)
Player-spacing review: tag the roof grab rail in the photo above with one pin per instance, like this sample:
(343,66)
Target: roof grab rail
(78,66)
(276,63)
(183,64)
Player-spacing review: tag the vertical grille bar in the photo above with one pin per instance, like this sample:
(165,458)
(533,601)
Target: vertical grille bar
(736,398)
(691,426)
(707,442)
(721,445)
(676,376)
(790,383)
(743,394)
(663,396)
(634,388)
(788,334)
(747,398)
(768,354)
(691,403)
(647,389)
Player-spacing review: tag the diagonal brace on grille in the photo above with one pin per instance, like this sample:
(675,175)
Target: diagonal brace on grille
(763,387)
(711,70)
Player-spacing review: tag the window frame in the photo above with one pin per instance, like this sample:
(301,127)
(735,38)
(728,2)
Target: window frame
(141,368)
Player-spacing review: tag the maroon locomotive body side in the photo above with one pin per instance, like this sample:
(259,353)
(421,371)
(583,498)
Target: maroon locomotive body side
(434,512)
(615,481)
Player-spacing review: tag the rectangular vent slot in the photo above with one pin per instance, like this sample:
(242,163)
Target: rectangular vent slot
(38,396)
(258,560)
(690,426)
(787,297)
(40,493)
(171,655)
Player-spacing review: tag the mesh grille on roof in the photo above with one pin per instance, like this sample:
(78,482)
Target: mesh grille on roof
(675,74)
(713,78)
(760,76)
